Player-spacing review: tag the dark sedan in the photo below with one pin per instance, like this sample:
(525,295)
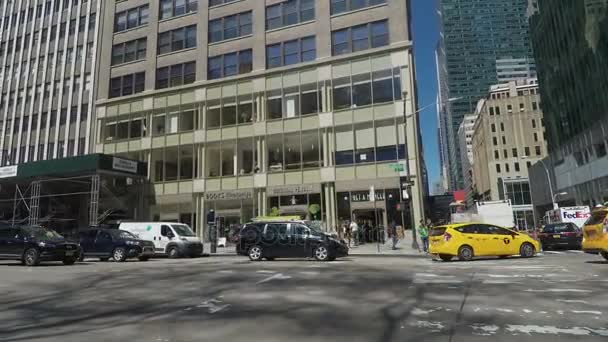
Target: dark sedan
(31,245)
(272,240)
(114,243)
(565,235)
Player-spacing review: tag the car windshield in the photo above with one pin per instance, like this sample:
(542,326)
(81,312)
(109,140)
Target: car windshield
(182,230)
(43,234)
(314,225)
(557,228)
(596,218)
(437,231)
(122,234)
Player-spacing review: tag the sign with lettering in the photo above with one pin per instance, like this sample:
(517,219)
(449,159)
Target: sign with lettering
(363,196)
(125,165)
(294,190)
(228,195)
(8,171)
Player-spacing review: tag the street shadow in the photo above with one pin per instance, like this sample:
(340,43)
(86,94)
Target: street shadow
(597,262)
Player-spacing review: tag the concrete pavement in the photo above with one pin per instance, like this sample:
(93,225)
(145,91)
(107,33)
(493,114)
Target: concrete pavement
(359,298)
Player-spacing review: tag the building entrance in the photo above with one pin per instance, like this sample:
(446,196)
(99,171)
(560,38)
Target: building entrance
(371,224)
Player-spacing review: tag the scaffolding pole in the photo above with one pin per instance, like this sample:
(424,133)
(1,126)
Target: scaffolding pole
(35,203)
(94,205)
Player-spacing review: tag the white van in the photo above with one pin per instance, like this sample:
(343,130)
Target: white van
(170,238)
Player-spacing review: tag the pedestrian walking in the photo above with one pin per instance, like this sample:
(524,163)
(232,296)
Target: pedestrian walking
(423,232)
(394,235)
(354,230)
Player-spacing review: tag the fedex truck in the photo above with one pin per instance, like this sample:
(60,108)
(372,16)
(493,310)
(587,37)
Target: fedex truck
(576,215)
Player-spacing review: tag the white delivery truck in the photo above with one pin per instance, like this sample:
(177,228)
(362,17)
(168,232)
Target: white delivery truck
(170,238)
(499,213)
(576,215)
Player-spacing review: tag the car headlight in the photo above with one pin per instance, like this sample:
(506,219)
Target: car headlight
(132,243)
(45,244)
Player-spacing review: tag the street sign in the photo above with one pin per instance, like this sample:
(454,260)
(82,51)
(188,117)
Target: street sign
(211,217)
(397,167)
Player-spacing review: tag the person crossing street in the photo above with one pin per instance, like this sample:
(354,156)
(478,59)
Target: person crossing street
(423,233)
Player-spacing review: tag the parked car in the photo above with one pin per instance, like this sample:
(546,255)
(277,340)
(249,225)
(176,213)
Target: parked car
(169,238)
(468,240)
(31,245)
(595,233)
(274,239)
(565,234)
(114,243)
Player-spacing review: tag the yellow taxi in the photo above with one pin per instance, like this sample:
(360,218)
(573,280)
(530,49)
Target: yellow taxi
(595,233)
(468,240)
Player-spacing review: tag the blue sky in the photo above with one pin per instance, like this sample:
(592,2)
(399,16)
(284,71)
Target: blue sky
(425,35)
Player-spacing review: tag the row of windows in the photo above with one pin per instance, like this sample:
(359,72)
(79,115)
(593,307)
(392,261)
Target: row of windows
(173,8)
(10,156)
(38,11)
(516,167)
(127,84)
(44,119)
(230,64)
(229,27)
(219,2)
(178,39)
(129,51)
(291,52)
(366,89)
(522,107)
(175,75)
(341,6)
(514,153)
(131,18)
(289,12)
(360,37)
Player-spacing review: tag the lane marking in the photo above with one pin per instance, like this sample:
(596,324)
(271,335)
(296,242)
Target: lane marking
(278,276)
(560,290)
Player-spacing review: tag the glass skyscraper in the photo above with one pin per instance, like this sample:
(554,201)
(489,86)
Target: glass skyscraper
(482,42)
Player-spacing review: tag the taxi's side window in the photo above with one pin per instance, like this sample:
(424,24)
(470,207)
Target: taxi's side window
(473,229)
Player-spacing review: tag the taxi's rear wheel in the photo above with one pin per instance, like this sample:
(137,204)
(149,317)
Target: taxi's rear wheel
(605,255)
(465,253)
(526,250)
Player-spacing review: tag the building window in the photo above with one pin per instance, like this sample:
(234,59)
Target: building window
(173,164)
(534,106)
(175,40)
(175,75)
(509,109)
(491,110)
(538,150)
(522,107)
(497,109)
(528,164)
(129,51)
(507,167)
(219,2)
(600,150)
(493,128)
(504,140)
(127,84)
(341,6)
(535,137)
(291,52)
(495,141)
(365,89)
(527,151)
(173,8)
(518,193)
(229,27)
(505,154)
(289,12)
(496,155)
(229,64)
(516,167)
(514,151)
(361,37)
(502,127)
(497,168)
(131,18)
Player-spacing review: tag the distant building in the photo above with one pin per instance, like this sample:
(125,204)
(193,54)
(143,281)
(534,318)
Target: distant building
(465,142)
(573,84)
(482,43)
(508,138)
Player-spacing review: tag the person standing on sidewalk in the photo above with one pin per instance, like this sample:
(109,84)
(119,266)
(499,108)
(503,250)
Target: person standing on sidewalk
(354,230)
(423,233)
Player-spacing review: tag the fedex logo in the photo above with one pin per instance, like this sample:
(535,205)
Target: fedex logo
(576,215)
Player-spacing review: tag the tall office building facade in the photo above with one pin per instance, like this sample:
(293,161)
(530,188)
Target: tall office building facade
(574,87)
(47,58)
(257,107)
(477,38)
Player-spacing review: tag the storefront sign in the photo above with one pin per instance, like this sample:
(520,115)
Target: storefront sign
(8,171)
(363,196)
(124,165)
(228,195)
(295,190)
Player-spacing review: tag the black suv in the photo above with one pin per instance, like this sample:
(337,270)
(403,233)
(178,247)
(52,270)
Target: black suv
(287,240)
(114,243)
(31,245)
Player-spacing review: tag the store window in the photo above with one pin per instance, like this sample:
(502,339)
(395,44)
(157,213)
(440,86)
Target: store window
(275,153)
(367,88)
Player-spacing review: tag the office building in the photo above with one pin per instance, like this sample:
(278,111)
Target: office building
(508,138)
(47,54)
(465,142)
(482,43)
(255,107)
(573,84)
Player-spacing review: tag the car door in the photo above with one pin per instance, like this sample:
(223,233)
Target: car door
(276,241)
(104,244)
(502,241)
(11,244)
(166,235)
(87,242)
(481,237)
(300,240)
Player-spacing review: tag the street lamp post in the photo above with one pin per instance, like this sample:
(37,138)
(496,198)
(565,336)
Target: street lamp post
(414,117)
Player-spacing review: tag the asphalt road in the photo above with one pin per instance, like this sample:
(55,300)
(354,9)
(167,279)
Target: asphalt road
(555,297)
